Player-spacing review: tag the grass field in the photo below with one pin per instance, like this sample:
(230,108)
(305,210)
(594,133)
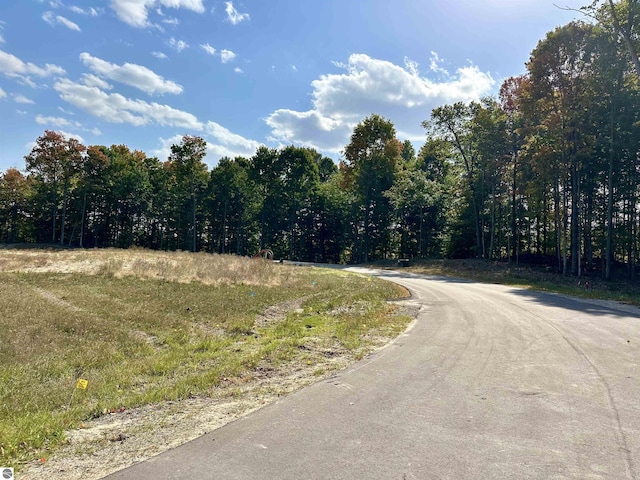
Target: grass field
(143,327)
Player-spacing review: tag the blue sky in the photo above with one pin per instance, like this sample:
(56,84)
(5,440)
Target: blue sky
(250,72)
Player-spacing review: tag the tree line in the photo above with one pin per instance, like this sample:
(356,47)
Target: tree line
(547,171)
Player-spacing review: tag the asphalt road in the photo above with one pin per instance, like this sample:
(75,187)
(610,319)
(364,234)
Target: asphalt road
(490,382)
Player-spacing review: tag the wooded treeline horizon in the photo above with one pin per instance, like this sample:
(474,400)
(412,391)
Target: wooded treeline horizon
(546,172)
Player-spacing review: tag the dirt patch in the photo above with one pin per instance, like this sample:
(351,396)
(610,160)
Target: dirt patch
(60,302)
(277,313)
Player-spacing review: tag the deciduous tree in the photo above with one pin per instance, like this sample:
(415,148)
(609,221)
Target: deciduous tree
(372,160)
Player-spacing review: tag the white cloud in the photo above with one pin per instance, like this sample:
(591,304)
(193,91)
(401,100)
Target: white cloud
(91,80)
(136,12)
(115,108)
(68,23)
(3,94)
(435,64)
(1,28)
(21,112)
(81,11)
(368,86)
(1,38)
(133,13)
(233,15)
(52,121)
(66,112)
(159,55)
(13,66)
(130,74)
(22,99)
(68,135)
(208,48)
(309,128)
(23,80)
(171,21)
(179,45)
(294,68)
(61,122)
(238,70)
(411,66)
(216,152)
(60,20)
(227,56)
(221,142)
(231,141)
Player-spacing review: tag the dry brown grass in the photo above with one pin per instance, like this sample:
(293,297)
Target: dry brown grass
(182,267)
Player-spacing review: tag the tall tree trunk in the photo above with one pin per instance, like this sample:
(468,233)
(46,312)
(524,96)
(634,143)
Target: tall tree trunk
(545,220)
(538,236)
(634,250)
(291,224)
(262,227)
(502,222)
(609,244)
(13,223)
(82,217)
(420,252)
(575,219)
(514,158)
(63,220)
(366,244)
(493,221)
(558,223)
(476,216)
(193,211)
(631,257)
(54,212)
(565,221)
(223,242)
(483,246)
(193,220)
(587,229)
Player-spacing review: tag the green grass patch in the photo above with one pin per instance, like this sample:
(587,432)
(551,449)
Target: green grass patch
(139,341)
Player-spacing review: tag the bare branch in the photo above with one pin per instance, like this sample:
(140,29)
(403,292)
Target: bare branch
(578,10)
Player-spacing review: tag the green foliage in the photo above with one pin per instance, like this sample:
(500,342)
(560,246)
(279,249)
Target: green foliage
(372,160)
(190,181)
(232,202)
(14,197)
(55,161)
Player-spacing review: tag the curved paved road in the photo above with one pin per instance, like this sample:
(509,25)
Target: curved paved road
(491,382)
